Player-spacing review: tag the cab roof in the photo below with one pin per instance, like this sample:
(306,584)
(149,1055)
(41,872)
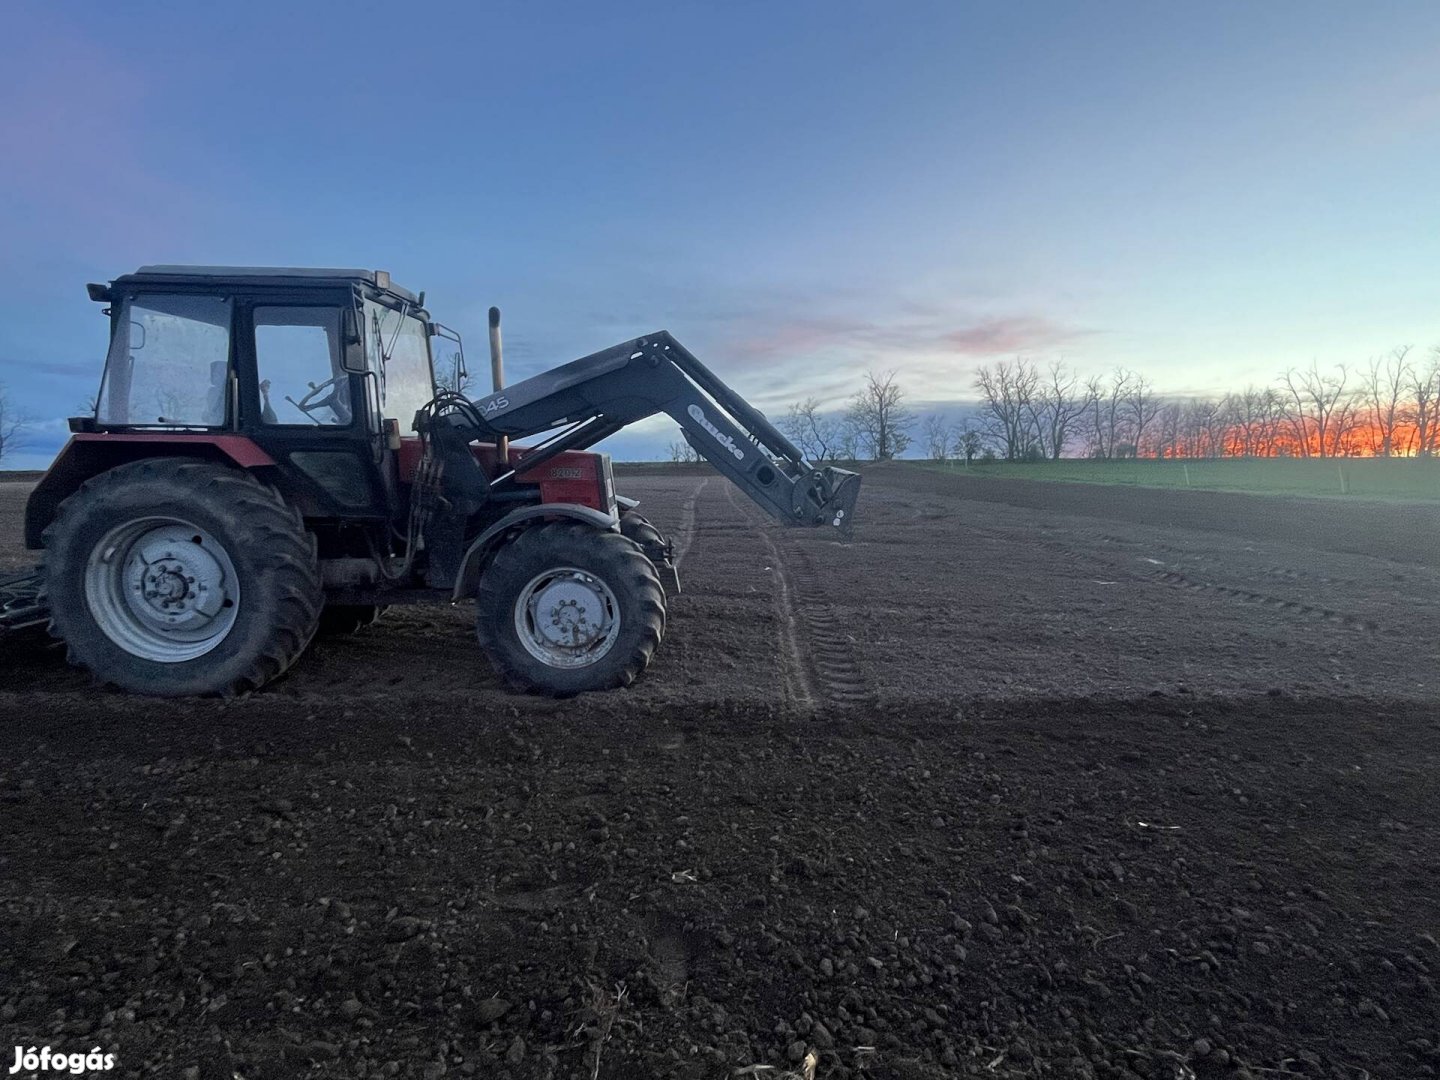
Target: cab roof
(299,276)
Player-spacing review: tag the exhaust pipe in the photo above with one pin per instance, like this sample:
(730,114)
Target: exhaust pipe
(497,376)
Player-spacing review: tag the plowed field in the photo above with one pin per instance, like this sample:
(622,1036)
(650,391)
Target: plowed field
(1029,780)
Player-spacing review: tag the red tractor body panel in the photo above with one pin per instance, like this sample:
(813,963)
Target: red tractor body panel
(238,448)
(89,453)
(576,476)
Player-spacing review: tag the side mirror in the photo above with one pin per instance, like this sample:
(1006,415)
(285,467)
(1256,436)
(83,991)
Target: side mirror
(353,354)
(460,374)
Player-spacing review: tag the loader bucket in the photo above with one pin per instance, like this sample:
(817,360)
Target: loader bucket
(839,508)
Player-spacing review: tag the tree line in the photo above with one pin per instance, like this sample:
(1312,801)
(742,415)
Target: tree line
(1389,407)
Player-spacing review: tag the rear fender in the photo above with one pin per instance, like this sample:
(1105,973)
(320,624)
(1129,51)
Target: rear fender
(90,454)
(489,541)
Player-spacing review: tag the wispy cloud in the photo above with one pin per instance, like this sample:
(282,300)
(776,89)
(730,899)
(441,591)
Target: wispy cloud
(1009,335)
(905,336)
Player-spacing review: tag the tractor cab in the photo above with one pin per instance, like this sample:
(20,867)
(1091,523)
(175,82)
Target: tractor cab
(321,369)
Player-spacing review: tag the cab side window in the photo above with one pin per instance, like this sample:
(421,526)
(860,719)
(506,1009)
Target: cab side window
(297,355)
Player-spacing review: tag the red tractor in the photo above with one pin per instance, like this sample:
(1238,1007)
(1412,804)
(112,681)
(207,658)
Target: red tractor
(270,454)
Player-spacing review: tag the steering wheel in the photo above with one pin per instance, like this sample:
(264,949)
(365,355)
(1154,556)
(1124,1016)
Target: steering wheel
(332,401)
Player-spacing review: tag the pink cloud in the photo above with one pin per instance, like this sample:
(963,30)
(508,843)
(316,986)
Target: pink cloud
(804,336)
(985,337)
(1016,334)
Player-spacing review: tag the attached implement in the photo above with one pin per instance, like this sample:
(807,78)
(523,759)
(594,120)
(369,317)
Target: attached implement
(22,603)
(271,456)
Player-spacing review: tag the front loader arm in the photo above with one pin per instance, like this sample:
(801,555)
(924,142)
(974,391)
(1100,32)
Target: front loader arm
(598,395)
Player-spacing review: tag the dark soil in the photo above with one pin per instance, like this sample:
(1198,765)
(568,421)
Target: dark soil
(1401,531)
(995,791)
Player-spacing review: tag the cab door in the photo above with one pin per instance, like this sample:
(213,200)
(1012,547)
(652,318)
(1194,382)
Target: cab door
(307,410)
(397,353)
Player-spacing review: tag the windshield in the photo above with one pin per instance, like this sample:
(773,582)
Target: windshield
(399,351)
(169,362)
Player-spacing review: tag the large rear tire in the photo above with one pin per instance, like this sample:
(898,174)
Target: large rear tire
(566,608)
(175,577)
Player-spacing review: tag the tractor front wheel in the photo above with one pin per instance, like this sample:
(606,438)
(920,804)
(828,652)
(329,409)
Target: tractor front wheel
(652,542)
(565,608)
(175,577)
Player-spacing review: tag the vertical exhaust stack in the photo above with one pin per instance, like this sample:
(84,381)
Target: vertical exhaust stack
(497,375)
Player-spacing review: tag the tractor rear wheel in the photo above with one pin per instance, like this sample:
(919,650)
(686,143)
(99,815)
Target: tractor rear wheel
(173,577)
(565,608)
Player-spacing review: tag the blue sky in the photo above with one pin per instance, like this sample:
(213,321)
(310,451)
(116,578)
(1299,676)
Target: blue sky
(1208,192)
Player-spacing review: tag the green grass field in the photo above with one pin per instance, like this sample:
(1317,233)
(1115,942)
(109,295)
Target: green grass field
(1405,479)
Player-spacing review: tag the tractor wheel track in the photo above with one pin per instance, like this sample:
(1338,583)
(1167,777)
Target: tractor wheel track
(832,647)
(684,533)
(1165,574)
(820,655)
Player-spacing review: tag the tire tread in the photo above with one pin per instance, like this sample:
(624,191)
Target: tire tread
(621,555)
(269,530)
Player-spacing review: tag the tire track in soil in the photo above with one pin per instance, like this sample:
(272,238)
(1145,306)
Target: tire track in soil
(1166,575)
(1290,607)
(832,649)
(1287,574)
(798,687)
(823,657)
(685,533)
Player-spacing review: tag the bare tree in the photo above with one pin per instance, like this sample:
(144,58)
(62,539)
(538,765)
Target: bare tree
(1059,403)
(681,452)
(1007,401)
(880,417)
(1252,416)
(1424,396)
(1346,422)
(1384,387)
(815,433)
(936,432)
(1166,437)
(1139,408)
(1214,421)
(1190,430)
(968,441)
(1312,401)
(13,426)
(1107,412)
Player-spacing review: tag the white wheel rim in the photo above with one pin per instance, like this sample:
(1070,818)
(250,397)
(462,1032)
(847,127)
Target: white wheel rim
(567,618)
(162,589)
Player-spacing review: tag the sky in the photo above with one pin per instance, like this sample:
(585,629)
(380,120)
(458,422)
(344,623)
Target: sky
(1207,192)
